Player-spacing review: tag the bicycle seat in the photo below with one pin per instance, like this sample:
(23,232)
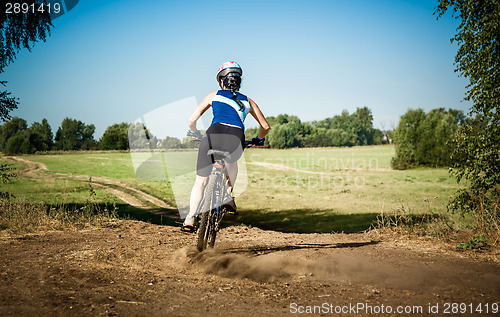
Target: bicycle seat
(219,155)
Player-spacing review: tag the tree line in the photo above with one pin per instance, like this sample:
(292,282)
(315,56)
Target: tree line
(287,131)
(420,138)
(74,135)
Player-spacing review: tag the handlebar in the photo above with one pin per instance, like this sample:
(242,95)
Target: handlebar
(248,143)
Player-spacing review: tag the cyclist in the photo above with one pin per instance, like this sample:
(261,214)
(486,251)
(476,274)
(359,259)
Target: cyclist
(226,132)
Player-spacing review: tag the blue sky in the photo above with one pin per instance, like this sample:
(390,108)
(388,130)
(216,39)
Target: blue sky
(114,61)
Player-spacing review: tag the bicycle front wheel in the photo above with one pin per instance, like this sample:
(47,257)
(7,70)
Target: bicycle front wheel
(203,230)
(206,229)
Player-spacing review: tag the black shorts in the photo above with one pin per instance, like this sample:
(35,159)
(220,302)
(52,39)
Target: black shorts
(223,138)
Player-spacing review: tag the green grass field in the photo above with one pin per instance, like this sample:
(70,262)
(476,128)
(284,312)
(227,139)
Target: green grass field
(345,189)
(296,190)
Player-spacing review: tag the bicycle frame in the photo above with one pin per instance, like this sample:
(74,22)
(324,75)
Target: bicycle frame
(211,211)
(211,207)
(218,171)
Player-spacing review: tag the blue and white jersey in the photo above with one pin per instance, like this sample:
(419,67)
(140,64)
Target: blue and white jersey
(228,111)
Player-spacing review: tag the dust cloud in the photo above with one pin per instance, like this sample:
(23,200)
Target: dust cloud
(281,266)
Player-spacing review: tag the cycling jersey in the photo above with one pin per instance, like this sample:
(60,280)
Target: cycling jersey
(226,110)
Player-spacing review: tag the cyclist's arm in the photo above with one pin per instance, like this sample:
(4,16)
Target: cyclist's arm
(257,114)
(200,110)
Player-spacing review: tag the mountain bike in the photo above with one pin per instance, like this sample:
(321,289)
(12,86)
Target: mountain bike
(212,209)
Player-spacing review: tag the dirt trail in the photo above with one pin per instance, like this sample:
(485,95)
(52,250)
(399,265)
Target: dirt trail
(281,167)
(115,187)
(140,269)
(133,268)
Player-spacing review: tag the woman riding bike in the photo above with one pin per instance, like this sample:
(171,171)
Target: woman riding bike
(226,133)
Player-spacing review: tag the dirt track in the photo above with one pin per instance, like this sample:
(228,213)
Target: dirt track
(114,187)
(139,269)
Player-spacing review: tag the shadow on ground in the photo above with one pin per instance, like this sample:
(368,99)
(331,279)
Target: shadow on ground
(293,221)
(260,250)
(157,216)
(290,221)
(307,221)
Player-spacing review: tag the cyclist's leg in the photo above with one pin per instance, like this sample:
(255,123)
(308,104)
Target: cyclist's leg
(232,172)
(203,169)
(195,199)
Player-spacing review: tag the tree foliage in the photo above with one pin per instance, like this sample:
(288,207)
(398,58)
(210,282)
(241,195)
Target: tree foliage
(341,130)
(21,30)
(41,136)
(478,55)
(75,135)
(422,138)
(115,137)
(11,128)
(140,138)
(7,103)
(17,31)
(477,144)
(16,138)
(171,143)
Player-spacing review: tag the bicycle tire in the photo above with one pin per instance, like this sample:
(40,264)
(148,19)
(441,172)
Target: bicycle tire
(206,226)
(201,242)
(216,205)
(212,233)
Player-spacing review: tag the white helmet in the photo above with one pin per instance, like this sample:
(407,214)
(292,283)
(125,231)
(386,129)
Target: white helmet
(229,67)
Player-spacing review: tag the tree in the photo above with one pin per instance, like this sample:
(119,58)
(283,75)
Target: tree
(434,133)
(346,123)
(19,143)
(423,138)
(171,143)
(365,130)
(478,55)
(337,137)
(7,104)
(477,144)
(75,135)
(140,138)
(16,138)
(406,139)
(19,30)
(379,137)
(282,136)
(115,137)
(11,128)
(41,136)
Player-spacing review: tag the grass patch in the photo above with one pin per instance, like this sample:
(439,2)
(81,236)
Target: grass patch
(21,217)
(328,180)
(56,191)
(477,243)
(438,224)
(115,165)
